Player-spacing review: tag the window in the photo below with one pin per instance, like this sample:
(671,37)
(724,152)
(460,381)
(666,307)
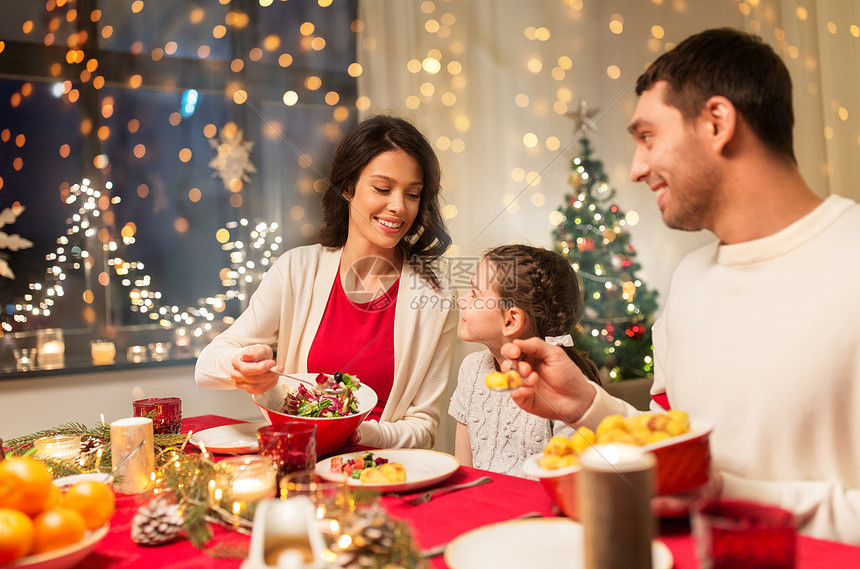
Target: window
(156,155)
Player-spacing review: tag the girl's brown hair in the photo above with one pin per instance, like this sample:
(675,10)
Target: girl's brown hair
(545,287)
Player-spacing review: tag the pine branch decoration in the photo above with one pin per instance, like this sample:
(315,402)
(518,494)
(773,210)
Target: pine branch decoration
(96,437)
(186,477)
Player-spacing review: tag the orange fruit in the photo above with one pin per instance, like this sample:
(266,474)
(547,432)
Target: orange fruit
(57,528)
(93,500)
(16,534)
(55,498)
(25,484)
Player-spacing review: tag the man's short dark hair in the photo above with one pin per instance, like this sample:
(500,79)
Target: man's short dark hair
(735,65)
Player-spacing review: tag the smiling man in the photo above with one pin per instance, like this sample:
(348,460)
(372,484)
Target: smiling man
(759,332)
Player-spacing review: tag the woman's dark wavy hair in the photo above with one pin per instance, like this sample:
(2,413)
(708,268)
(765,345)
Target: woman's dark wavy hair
(738,66)
(428,238)
(545,287)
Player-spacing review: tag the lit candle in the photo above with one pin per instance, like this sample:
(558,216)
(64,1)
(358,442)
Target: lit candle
(103,352)
(159,351)
(52,354)
(135,475)
(252,489)
(66,448)
(244,480)
(136,354)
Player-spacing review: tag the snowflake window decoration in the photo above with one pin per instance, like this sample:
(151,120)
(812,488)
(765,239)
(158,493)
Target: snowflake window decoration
(232,161)
(11,242)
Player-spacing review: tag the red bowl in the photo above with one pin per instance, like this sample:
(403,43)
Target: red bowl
(683,464)
(332,432)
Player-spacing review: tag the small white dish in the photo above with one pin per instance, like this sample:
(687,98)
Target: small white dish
(285,534)
(548,543)
(423,468)
(240,438)
(67,481)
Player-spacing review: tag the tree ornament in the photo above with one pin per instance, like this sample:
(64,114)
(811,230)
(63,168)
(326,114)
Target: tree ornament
(610,332)
(585,244)
(608,235)
(156,522)
(636,330)
(629,289)
(232,162)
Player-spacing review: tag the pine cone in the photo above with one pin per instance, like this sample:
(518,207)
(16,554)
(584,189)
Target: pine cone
(90,444)
(156,522)
(373,538)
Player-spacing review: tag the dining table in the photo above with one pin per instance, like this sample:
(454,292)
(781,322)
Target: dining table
(437,522)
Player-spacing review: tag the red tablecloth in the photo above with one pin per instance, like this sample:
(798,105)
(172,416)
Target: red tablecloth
(439,521)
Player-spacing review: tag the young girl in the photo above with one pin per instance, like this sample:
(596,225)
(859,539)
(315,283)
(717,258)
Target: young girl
(517,292)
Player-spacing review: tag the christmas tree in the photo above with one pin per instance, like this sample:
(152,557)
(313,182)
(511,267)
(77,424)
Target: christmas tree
(616,323)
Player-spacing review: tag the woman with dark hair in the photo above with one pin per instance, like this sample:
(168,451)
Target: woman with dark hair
(365,300)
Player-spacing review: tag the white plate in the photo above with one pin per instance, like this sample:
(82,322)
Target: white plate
(423,468)
(240,438)
(64,557)
(547,543)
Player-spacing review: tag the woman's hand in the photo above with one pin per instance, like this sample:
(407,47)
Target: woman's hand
(251,369)
(553,387)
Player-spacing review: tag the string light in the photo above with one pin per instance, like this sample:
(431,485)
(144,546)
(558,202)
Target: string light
(251,253)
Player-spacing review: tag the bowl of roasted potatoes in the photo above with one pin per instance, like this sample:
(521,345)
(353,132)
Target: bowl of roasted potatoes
(680,445)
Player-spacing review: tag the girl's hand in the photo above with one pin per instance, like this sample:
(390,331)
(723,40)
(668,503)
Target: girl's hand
(251,369)
(553,386)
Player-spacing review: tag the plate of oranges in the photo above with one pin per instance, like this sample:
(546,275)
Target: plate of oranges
(46,524)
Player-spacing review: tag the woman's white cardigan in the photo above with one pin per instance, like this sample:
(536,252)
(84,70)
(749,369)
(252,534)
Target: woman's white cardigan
(287,308)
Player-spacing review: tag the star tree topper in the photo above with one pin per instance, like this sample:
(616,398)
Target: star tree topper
(583,118)
(232,162)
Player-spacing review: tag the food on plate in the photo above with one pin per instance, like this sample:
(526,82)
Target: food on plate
(383,474)
(37,516)
(369,469)
(638,430)
(503,379)
(333,396)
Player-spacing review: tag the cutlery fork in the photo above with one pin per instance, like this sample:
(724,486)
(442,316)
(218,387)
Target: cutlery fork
(312,384)
(428,495)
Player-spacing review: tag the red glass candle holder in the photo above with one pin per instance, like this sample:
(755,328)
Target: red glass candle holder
(736,534)
(166,413)
(291,446)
